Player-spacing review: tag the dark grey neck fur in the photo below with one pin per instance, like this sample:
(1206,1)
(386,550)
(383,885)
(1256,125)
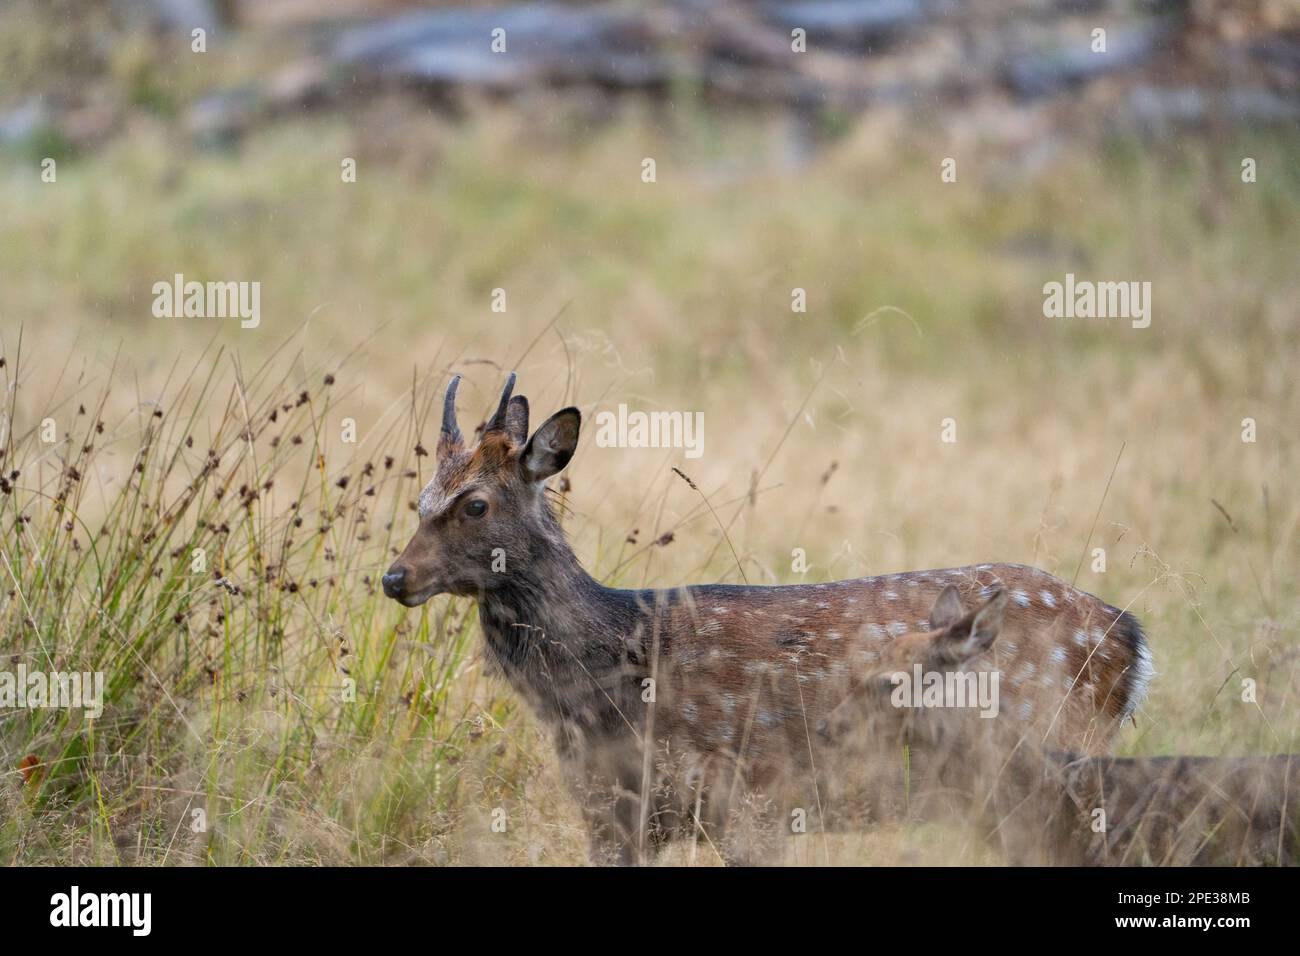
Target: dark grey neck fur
(575,649)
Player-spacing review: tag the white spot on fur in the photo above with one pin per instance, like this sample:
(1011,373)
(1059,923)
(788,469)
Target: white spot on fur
(1021,598)
(897,628)
(1058,655)
(1026,709)
(1048,598)
(1080,638)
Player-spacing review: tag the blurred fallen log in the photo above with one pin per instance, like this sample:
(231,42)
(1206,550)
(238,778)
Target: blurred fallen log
(1070,63)
(1155,109)
(1165,62)
(184,15)
(849,53)
(858,23)
(539,43)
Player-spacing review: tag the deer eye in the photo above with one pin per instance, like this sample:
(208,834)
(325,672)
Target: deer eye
(476,508)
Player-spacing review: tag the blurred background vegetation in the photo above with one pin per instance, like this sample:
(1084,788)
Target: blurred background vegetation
(477,171)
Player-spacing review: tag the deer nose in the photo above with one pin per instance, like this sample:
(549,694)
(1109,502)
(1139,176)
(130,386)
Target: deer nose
(394,583)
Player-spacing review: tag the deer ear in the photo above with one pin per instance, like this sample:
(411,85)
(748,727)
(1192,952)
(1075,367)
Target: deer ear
(973,634)
(947,610)
(552,445)
(517,419)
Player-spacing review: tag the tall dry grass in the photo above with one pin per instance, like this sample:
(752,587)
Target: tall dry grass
(822,433)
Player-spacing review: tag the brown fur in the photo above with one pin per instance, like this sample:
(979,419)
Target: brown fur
(672,708)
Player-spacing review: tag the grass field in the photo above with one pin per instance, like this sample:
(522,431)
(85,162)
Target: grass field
(311,720)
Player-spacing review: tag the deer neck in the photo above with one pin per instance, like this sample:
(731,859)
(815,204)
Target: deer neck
(549,617)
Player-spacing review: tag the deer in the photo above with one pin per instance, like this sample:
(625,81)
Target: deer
(1044,806)
(673,709)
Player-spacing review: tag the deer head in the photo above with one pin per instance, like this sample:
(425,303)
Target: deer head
(484,518)
(957,639)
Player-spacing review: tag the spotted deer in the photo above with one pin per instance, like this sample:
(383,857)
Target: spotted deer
(1043,805)
(673,709)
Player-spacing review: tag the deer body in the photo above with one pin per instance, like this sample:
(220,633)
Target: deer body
(671,707)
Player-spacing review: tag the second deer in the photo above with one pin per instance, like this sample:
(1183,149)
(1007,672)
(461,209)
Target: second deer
(1048,806)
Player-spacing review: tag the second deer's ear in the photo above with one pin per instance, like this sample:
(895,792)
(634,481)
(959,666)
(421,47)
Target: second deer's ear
(947,610)
(552,445)
(973,634)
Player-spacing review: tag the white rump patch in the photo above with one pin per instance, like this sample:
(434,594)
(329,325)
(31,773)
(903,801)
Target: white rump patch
(1143,670)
